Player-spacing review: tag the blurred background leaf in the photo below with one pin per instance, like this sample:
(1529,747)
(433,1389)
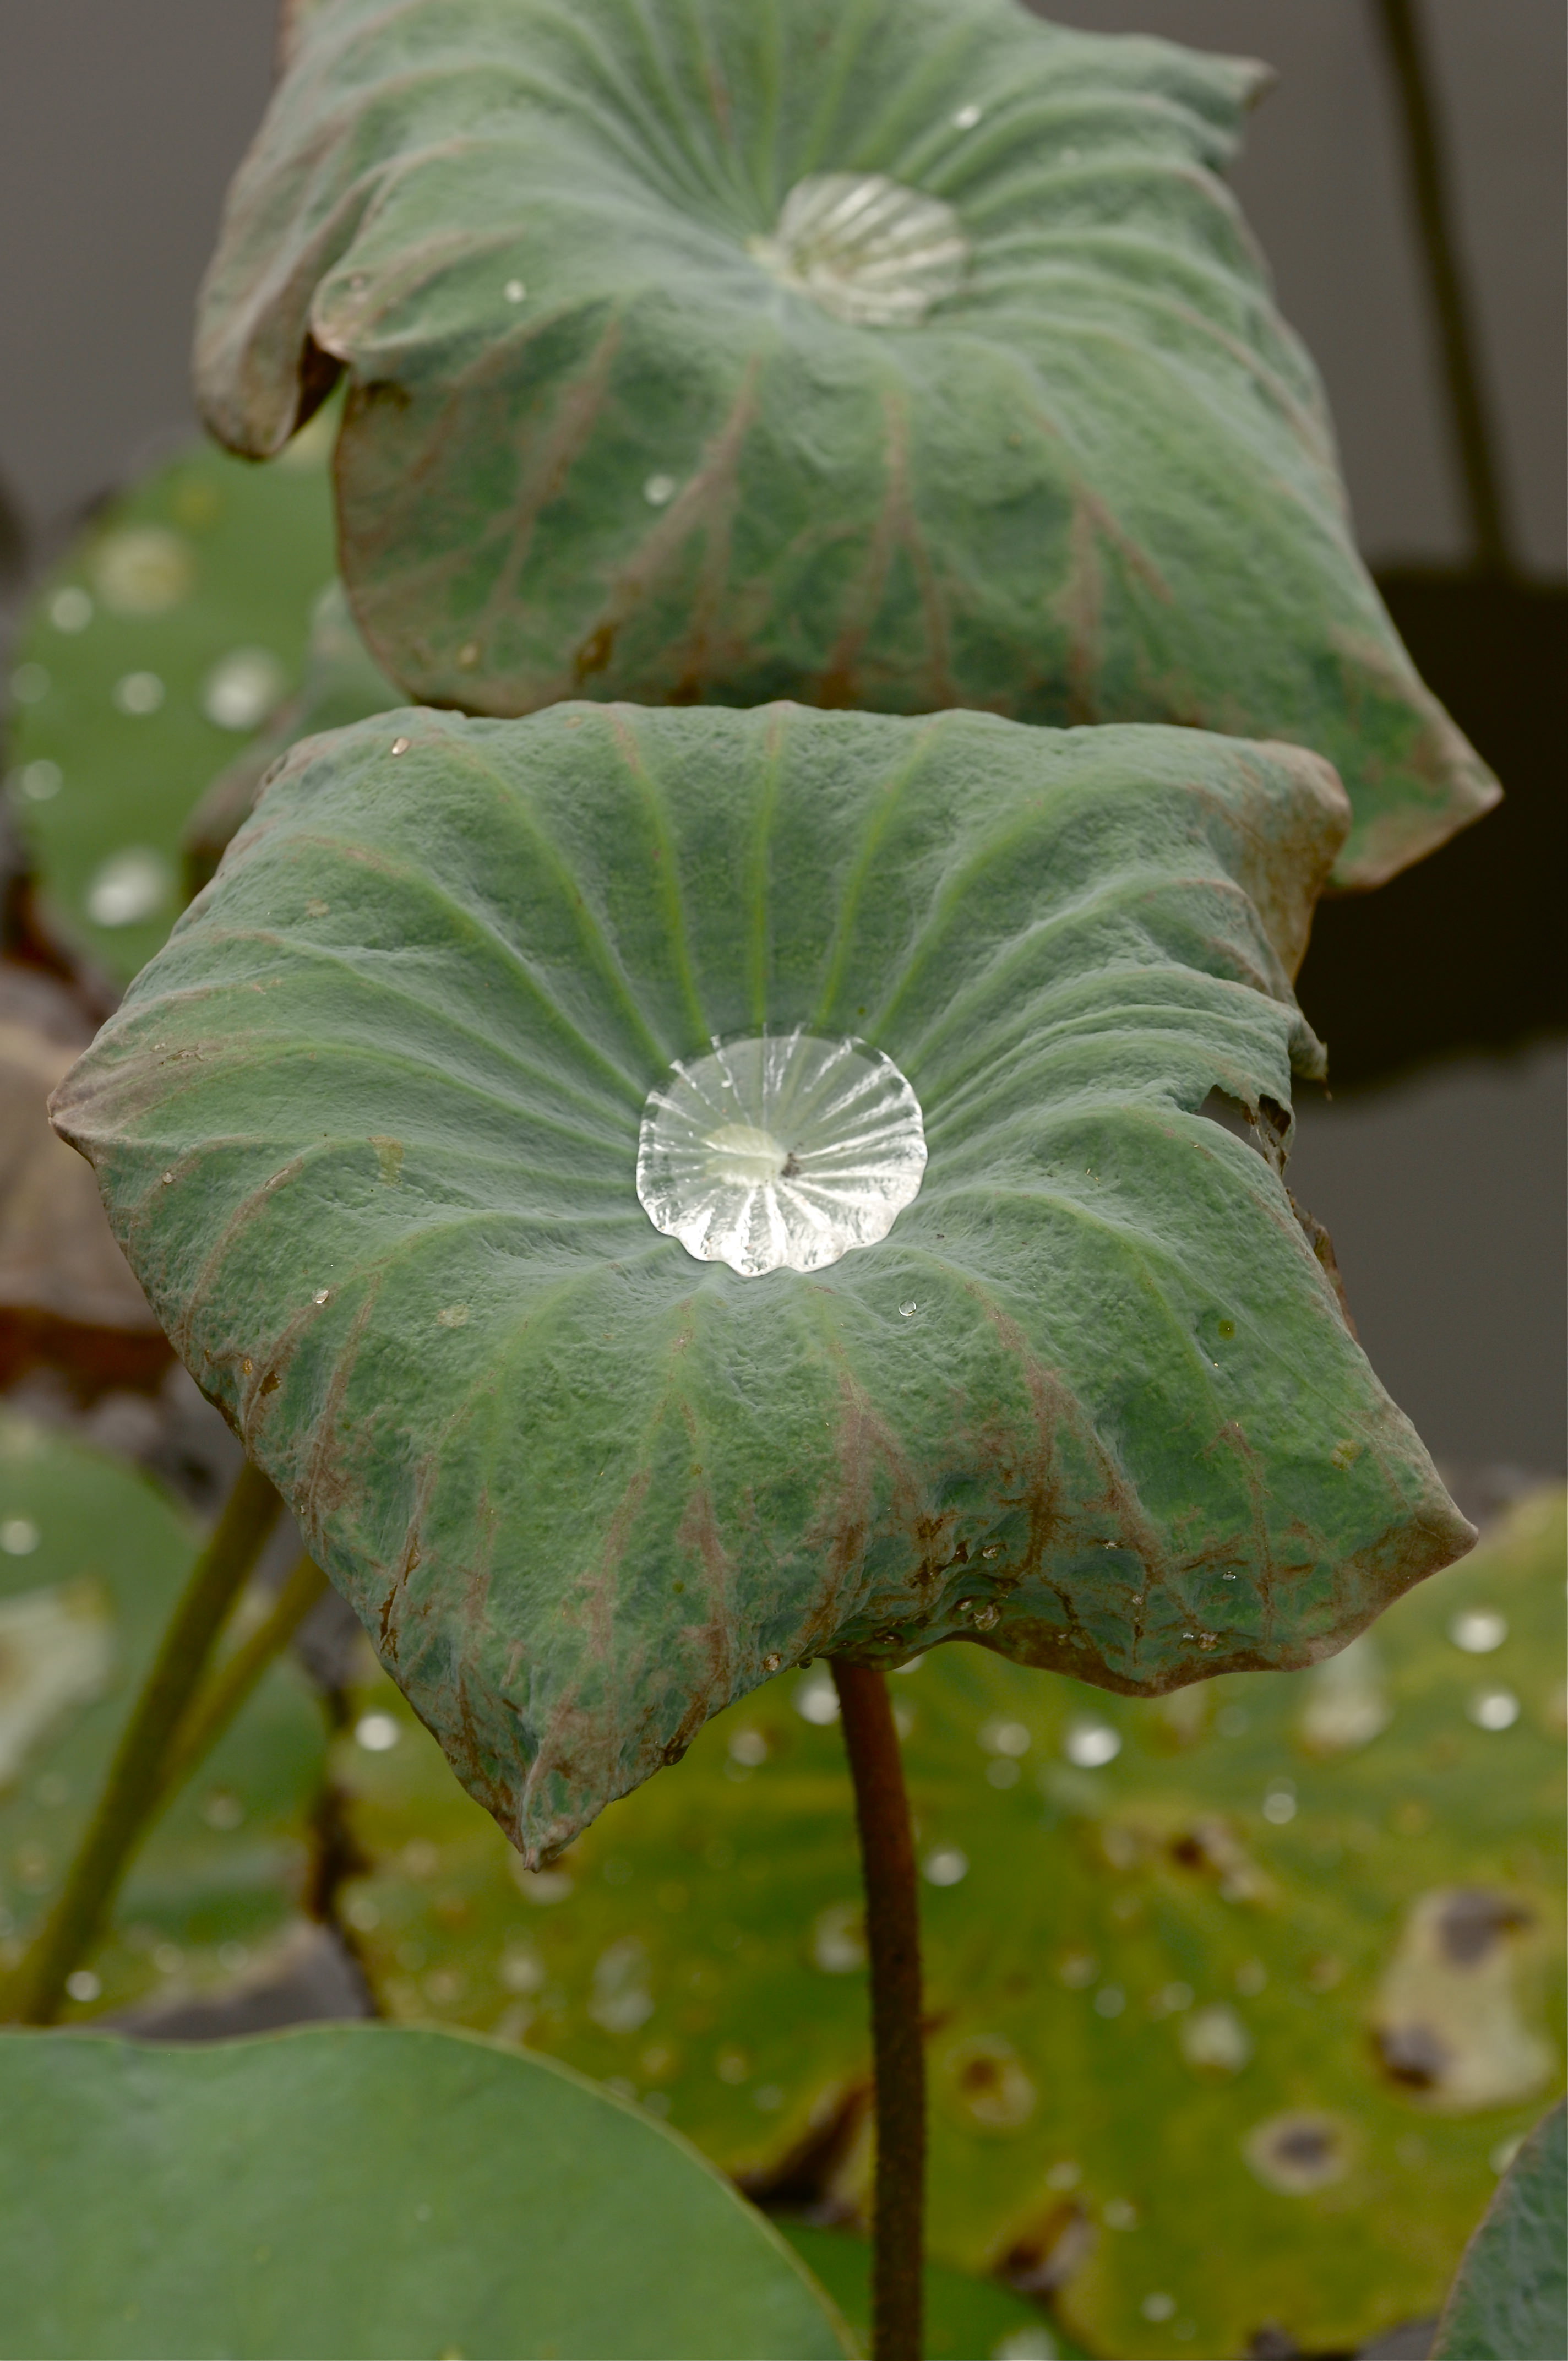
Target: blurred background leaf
(366,2192)
(1235,1997)
(92,1556)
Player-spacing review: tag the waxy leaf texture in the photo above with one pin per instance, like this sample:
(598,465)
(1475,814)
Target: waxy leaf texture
(367,1131)
(900,354)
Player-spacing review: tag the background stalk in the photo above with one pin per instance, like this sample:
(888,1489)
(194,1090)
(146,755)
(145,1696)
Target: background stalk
(134,1785)
(1436,208)
(893,1934)
(217,1703)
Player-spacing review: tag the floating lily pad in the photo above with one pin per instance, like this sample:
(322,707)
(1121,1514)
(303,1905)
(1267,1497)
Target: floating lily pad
(1511,2295)
(1157,1937)
(372,2193)
(92,1556)
(166,638)
(901,356)
(382,1132)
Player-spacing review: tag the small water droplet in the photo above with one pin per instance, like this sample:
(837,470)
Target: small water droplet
(659,490)
(992,1549)
(402,745)
(1089,1745)
(242,688)
(1494,1708)
(82,1984)
(772,1664)
(514,290)
(908,1308)
(1479,1630)
(168,1179)
(987,1617)
(40,781)
(19,1537)
(468,654)
(320,1295)
(138,692)
(71,610)
(377,1733)
(816,1700)
(838,1938)
(967,117)
(1230,1577)
(128,888)
(947,1866)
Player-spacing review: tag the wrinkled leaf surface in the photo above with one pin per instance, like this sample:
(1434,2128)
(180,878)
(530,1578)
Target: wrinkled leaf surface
(382,2195)
(367,1131)
(594,444)
(1511,2295)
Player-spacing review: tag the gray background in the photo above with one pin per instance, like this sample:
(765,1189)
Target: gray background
(120,124)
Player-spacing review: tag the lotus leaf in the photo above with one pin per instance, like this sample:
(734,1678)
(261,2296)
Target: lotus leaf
(899,354)
(1153,1974)
(164,639)
(1511,2295)
(92,1555)
(367,1129)
(374,2194)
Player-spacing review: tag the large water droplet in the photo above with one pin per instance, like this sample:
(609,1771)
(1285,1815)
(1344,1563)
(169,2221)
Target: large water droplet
(779,1152)
(866,248)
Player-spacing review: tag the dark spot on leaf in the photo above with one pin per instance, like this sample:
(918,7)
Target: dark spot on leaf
(595,652)
(1473,1921)
(1043,2258)
(1412,2054)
